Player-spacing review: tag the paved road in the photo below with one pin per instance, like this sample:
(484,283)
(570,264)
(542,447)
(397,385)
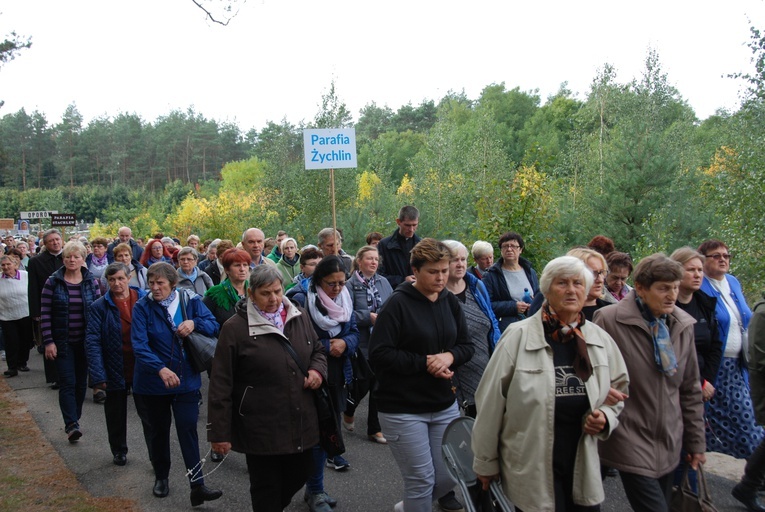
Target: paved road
(372,484)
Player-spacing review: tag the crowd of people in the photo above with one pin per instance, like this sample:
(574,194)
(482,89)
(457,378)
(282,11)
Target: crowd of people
(597,367)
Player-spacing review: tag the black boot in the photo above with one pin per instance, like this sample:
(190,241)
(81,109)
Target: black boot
(200,494)
(748,496)
(754,475)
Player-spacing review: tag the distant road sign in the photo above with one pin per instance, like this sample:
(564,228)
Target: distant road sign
(36,215)
(63,219)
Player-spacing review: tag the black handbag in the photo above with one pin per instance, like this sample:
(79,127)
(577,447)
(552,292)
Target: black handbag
(330,439)
(685,500)
(199,347)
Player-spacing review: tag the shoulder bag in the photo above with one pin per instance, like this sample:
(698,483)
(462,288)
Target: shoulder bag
(199,347)
(330,439)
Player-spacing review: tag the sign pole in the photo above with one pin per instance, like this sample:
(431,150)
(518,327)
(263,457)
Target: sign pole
(332,186)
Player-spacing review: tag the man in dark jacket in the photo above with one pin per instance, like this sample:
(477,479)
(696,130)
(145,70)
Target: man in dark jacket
(394,250)
(40,269)
(125,235)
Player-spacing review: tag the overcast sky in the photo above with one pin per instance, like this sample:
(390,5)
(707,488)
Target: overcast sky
(277,57)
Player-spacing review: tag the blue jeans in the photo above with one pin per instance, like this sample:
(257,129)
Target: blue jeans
(415,442)
(72,368)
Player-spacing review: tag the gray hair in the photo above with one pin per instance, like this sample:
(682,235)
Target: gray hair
(163,269)
(454,246)
(565,266)
(74,246)
(263,275)
(188,250)
(481,248)
(115,267)
(167,239)
(214,243)
(326,233)
(22,242)
(48,232)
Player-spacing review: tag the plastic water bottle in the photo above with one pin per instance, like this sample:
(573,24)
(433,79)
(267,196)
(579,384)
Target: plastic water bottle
(527,296)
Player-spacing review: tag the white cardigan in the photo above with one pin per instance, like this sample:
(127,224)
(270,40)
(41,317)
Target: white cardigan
(14,303)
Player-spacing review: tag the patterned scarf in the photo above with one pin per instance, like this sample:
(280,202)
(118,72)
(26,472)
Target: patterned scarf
(663,353)
(374,301)
(563,333)
(100,262)
(166,304)
(275,318)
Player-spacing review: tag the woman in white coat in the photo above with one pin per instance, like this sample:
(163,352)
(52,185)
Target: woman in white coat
(542,400)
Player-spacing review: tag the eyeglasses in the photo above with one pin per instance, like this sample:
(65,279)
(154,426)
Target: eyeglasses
(718,256)
(600,273)
(508,247)
(338,284)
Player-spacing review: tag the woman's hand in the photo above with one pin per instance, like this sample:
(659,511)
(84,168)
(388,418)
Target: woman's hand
(438,365)
(313,381)
(185,328)
(694,459)
(707,392)
(51,351)
(486,480)
(222,448)
(169,377)
(615,396)
(595,422)
(337,347)
(372,318)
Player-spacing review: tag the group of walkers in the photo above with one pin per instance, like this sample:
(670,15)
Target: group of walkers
(572,375)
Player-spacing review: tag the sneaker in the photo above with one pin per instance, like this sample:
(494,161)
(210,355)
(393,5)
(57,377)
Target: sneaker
(318,503)
(332,502)
(398,507)
(338,463)
(449,503)
(378,438)
(24,368)
(73,433)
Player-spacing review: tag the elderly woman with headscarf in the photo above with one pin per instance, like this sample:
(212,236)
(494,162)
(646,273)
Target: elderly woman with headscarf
(15,321)
(252,375)
(664,413)
(542,402)
(65,310)
(165,384)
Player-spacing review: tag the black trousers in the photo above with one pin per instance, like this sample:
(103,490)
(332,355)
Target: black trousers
(754,472)
(51,373)
(115,410)
(160,411)
(18,341)
(647,494)
(274,479)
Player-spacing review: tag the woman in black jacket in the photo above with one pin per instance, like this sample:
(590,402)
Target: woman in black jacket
(419,338)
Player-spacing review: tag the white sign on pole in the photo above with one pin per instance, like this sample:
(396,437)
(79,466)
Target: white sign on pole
(332,148)
(36,215)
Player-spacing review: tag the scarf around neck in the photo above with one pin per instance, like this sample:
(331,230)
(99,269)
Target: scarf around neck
(563,333)
(338,310)
(663,352)
(275,318)
(374,301)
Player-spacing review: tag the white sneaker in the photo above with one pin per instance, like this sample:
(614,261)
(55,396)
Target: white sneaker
(398,507)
